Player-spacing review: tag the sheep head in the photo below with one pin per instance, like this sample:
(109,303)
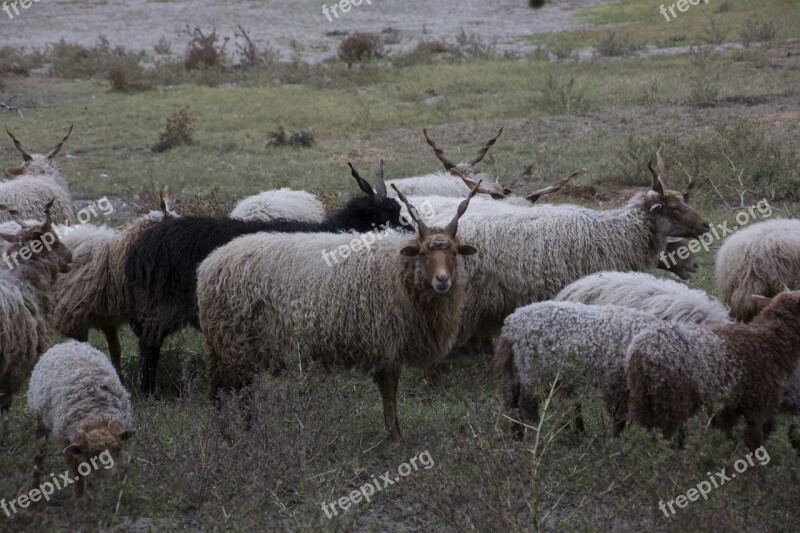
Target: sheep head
(376,209)
(672,261)
(668,209)
(465,170)
(41,239)
(437,248)
(95,437)
(35,164)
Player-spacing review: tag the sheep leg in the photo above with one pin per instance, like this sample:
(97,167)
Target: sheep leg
(725,420)
(114,347)
(38,461)
(528,407)
(580,427)
(387,382)
(769,426)
(149,351)
(78,486)
(753,434)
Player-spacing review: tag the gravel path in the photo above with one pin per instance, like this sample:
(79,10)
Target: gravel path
(292,27)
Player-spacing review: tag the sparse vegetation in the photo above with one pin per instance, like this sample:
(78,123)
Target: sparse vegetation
(205,50)
(178,132)
(314,436)
(756,31)
(563,96)
(361,46)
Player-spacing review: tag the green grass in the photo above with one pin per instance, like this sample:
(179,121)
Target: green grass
(318,436)
(642,22)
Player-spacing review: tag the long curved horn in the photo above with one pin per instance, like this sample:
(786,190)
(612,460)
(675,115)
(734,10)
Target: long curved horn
(448,165)
(162,201)
(532,197)
(452,227)
(423,229)
(495,194)
(380,184)
(662,169)
(362,183)
(52,153)
(689,188)
(656,185)
(485,149)
(25,155)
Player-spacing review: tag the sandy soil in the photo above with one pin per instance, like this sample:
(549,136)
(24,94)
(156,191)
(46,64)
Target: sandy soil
(290,26)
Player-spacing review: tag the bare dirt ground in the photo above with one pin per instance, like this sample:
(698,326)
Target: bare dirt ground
(292,27)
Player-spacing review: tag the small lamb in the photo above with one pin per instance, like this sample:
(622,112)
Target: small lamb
(83,404)
(674,370)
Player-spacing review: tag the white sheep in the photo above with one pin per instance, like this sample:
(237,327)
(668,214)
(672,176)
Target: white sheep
(281,203)
(569,343)
(37,181)
(663,298)
(761,259)
(393,301)
(82,403)
(535,256)
(94,294)
(31,264)
(734,370)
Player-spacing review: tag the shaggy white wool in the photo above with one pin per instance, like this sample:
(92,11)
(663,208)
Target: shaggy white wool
(578,344)
(73,384)
(760,259)
(663,298)
(282,203)
(265,297)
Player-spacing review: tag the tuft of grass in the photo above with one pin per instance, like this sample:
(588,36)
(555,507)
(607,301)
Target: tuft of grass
(614,45)
(756,31)
(205,50)
(178,132)
(563,97)
(360,47)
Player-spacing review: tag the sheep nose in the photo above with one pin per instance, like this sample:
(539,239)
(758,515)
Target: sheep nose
(706,226)
(442,277)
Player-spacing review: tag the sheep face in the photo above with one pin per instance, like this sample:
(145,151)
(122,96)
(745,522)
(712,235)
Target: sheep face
(673,217)
(437,255)
(670,213)
(683,268)
(436,249)
(36,164)
(94,438)
(41,240)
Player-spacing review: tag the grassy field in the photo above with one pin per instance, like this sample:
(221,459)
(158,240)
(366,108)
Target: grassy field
(730,120)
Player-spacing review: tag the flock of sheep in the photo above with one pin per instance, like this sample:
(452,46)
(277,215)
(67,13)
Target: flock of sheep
(565,286)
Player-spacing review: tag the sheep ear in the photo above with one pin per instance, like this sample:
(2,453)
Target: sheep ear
(73,450)
(7,237)
(656,207)
(410,251)
(15,171)
(762,301)
(466,249)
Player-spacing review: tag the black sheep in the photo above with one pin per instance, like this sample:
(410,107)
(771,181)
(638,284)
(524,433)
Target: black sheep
(161,267)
